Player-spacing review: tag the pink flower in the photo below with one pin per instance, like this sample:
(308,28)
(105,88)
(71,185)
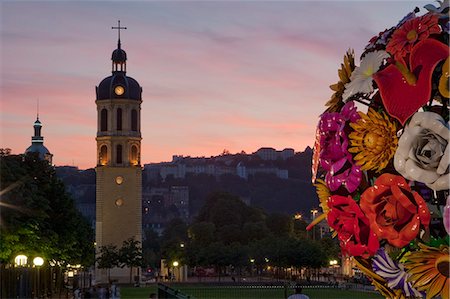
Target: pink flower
(334,156)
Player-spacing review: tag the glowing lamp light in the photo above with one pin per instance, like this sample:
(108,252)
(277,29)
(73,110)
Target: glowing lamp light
(38,261)
(252,260)
(298,216)
(333,262)
(70,274)
(175,264)
(21,260)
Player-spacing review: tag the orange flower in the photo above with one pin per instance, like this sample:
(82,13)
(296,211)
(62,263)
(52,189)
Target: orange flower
(394,211)
(411,32)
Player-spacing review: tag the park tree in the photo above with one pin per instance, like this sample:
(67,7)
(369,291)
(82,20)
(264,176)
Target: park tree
(130,255)
(280,224)
(38,216)
(151,248)
(173,241)
(108,257)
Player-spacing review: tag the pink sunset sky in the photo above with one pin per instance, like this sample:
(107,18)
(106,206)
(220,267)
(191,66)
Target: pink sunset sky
(236,75)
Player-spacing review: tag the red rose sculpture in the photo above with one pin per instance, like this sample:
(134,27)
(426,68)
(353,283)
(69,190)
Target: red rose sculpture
(352,227)
(395,212)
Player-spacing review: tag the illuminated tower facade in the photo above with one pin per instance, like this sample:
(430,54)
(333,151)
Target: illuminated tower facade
(118,170)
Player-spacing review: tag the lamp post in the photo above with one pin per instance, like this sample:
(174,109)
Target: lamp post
(21,261)
(314,211)
(175,265)
(38,262)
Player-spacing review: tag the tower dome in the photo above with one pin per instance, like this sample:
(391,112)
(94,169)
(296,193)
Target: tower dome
(119,85)
(37,143)
(119,55)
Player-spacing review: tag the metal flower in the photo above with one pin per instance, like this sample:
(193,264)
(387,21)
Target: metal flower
(393,273)
(373,140)
(344,77)
(429,269)
(361,78)
(423,151)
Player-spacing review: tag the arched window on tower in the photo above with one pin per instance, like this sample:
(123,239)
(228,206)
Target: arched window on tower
(119,154)
(104,120)
(119,119)
(134,159)
(134,121)
(103,155)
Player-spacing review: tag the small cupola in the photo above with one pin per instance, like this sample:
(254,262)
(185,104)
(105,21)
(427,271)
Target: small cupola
(119,56)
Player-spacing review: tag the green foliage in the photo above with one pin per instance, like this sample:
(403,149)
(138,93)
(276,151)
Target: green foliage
(38,217)
(229,233)
(108,257)
(280,224)
(130,254)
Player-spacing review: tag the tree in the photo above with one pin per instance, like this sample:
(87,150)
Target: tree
(280,224)
(38,217)
(108,258)
(151,248)
(130,255)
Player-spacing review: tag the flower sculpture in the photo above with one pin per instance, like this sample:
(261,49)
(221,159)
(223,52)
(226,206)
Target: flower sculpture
(394,211)
(381,162)
(374,140)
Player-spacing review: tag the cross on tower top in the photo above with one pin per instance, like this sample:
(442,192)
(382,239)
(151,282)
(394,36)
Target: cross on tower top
(118,29)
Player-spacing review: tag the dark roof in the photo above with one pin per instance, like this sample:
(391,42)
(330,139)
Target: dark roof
(119,55)
(38,148)
(105,89)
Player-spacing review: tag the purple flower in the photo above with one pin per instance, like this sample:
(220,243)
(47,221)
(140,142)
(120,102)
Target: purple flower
(334,156)
(446,215)
(394,274)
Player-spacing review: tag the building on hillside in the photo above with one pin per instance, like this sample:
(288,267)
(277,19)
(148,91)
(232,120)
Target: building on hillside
(271,154)
(180,198)
(161,205)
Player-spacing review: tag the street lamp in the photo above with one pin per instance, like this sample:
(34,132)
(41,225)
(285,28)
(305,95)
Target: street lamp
(175,265)
(314,211)
(21,260)
(38,262)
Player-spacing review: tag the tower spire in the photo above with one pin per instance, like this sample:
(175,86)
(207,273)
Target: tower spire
(118,32)
(37,110)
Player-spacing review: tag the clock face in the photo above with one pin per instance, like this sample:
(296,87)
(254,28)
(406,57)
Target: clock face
(119,180)
(119,202)
(119,90)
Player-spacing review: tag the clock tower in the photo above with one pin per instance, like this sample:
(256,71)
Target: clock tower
(118,170)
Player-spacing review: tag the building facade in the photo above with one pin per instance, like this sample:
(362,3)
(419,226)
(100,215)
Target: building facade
(118,170)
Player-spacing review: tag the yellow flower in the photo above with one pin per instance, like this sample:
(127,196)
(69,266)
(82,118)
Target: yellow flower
(443,81)
(374,140)
(334,104)
(429,268)
(324,194)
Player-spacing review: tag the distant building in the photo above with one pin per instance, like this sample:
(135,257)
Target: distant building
(161,205)
(181,166)
(37,143)
(270,154)
(180,197)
